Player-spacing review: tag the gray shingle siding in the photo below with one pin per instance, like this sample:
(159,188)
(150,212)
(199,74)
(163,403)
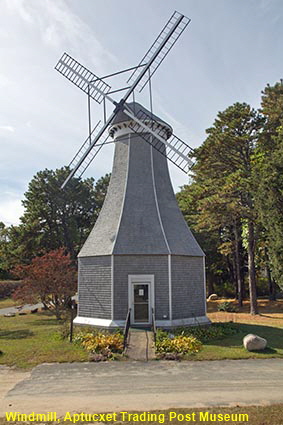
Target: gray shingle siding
(142,264)
(187,287)
(95,287)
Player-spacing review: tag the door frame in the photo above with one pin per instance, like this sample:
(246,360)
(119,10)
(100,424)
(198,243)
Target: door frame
(139,279)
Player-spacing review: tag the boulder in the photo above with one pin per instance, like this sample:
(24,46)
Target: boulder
(254,342)
(212,297)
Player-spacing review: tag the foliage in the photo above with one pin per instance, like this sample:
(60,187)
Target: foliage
(4,263)
(50,278)
(209,333)
(269,177)
(30,340)
(223,190)
(227,306)
(101,343)
(53,217)
(217,270)
(179,344)
(7,288)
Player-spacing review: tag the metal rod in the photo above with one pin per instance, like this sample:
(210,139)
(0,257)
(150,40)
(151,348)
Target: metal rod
(72,322)
(89,114)
(119,72)
(104,110)
(150,92)
(115,91)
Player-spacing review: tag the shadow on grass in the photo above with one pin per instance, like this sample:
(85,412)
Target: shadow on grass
(18,334)
(273,335)
(43,312)
(47,322)
(271,317)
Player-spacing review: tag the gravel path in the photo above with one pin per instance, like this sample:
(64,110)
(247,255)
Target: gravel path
(136,385)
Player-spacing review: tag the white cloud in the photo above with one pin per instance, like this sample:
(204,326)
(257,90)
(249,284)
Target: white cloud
(7,128)
(4,81)
(60,27)
(10,211)
(19,6)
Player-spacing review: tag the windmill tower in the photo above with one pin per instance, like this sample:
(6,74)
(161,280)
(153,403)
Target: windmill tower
(140,256)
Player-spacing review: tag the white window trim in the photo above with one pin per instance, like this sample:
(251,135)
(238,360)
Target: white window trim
(136,279)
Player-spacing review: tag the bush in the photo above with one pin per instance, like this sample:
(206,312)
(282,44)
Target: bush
(208,333)
(103,344)
(179,344)
(225,290)
(7,287)
(227,306)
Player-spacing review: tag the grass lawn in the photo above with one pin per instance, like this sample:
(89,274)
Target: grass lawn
(8,302)
(26,341)
(232,346)
(268,324)
(257,415)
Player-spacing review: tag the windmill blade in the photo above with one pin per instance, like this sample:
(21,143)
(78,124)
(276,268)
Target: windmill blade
(87,152)
(97,89)
(82,78)
(175,149)
(162,46)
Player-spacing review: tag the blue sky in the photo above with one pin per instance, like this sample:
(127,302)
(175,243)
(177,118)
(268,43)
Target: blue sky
(228,53)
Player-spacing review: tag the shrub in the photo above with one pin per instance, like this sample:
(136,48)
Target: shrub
(208,333)
(179,344)
(104,344)
(227,306)
(51,278)
(7,287)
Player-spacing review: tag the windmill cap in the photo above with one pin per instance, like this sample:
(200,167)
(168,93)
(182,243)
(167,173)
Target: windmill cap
(123,123)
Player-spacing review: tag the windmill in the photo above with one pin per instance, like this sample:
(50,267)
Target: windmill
(140,256)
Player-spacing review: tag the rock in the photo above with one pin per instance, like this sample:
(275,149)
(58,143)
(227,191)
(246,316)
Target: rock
(9,314)
(254,342)
(212,297)
(35,310)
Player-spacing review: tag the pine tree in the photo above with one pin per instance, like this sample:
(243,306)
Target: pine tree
(223,173)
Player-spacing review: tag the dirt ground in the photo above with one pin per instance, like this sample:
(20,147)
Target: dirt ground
(270,312)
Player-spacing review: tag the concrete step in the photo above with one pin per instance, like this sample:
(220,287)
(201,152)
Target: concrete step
(140,345)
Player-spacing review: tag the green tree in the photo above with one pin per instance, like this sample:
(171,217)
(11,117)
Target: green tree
(54,218)
(217,266)
(223,173)
(270,203)
(269,177)
(3,245)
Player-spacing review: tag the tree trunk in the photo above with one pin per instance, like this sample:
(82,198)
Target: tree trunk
(252,274)
(271,283)
(238,266)
(57,308)
(242,254)
(210,286)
